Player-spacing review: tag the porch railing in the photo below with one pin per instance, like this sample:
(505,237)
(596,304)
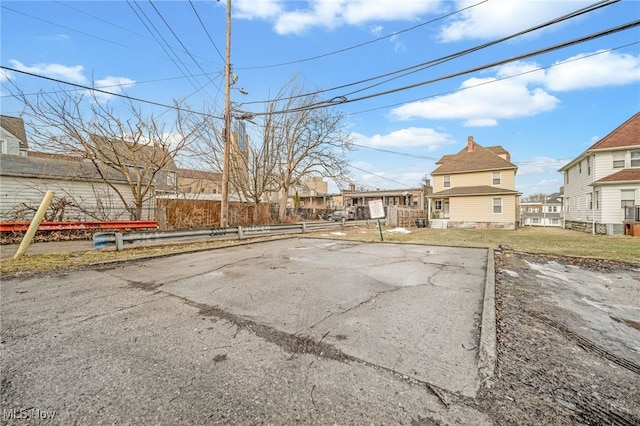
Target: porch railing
(632,214)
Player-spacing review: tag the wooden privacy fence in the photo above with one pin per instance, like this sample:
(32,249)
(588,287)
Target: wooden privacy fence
(406,217)
(196,214)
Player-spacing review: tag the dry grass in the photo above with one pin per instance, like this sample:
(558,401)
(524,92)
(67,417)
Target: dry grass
(552,241)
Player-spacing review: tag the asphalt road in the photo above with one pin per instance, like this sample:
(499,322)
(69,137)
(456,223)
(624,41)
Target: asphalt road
(313,331)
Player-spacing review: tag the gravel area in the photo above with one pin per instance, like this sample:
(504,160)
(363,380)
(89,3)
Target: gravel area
(568,348)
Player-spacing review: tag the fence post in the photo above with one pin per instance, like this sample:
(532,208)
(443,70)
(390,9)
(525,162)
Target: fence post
(240,233)
(28,236)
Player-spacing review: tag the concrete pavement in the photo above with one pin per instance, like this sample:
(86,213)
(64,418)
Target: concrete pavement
(310,330)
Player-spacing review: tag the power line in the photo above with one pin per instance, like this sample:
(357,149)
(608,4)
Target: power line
(181,43)
(346,49)
(428,64)
(339,100)
(378,176)
(94,89)
(205,30)
(423,157)
(496,79)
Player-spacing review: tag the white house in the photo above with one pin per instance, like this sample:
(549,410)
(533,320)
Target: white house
(80,192)
(13,138)
(547,212)
(603,180)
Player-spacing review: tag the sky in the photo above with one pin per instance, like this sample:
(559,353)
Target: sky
(397,70)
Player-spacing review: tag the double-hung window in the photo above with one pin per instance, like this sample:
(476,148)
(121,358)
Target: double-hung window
(497,178)
(447,182)
(618,160)
(497,205)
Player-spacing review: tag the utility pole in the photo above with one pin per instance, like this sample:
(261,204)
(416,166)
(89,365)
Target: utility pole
(226,133)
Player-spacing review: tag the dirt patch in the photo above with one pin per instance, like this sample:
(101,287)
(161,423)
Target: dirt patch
(548,372)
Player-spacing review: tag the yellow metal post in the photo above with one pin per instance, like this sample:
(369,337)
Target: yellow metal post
(26,240)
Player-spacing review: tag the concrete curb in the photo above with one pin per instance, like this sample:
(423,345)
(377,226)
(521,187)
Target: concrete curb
(488,341)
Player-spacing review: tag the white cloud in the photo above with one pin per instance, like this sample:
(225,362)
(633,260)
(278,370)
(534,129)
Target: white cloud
(5,75)
(72,74)
(540,165)
(482,101)
(410,137)
(584,71)
(498,18)
(111,84)
(539,186)
(302,16)
(252,9)
(377,30)
(398,46)
(522,89)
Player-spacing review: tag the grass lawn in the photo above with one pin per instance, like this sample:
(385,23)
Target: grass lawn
(548,240)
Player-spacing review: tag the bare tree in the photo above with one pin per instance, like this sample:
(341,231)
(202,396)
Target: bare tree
(538,197)
(310,140)
(118,144)
(292,141)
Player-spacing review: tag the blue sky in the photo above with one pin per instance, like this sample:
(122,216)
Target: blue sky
(544,109)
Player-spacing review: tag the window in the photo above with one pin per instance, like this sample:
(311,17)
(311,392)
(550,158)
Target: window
(535,220)
(635,158)
(618,160)
(555,221)
(580,167)
(438,205)
(589,165)
(597,200)
(496,178)
(567,204)
(447,181)
(589,201)
(497,205)
(627,197)
(3,146)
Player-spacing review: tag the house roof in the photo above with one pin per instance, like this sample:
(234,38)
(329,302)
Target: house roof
(43,168)
(624,175)
(119,151)
(199,174)
(627,134)
(15,126)
(473,157)
(466,191)
(54,156)
(380,193)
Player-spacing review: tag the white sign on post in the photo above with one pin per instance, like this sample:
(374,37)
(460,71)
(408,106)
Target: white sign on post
(376,209)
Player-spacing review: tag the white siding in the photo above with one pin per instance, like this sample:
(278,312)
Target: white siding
(576,190)
(11,143)
(19,196)
(611,200)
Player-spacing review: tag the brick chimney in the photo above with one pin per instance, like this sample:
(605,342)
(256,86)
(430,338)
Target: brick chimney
(470,143)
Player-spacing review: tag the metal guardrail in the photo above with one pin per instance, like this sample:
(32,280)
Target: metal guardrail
(103,239)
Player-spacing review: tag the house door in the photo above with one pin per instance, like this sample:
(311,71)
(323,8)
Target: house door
(445,209)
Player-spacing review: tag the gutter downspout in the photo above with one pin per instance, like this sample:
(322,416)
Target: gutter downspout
(593,195)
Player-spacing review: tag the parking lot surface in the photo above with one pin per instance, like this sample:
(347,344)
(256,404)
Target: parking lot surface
(297,330)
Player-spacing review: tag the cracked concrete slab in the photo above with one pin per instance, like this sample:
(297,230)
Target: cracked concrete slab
(194,337)
(410,308)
